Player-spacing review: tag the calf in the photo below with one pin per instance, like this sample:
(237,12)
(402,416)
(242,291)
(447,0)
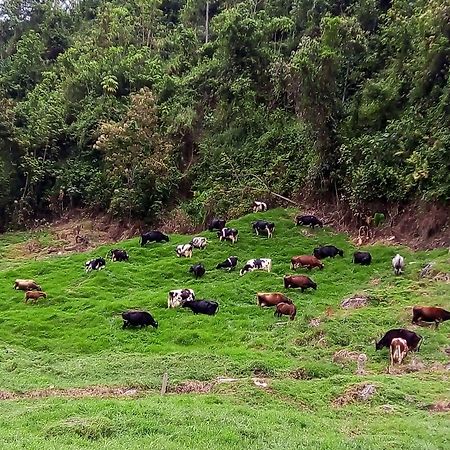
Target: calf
(118,255)
(413,340)
(299,281)
(308,220)
(179,296)
(307,261)
(208,307)
(398,264)
(199,242)
(263,226)
(216,224)
(256,264)
(228,234)
(26,285)
(259,206)
(363,258)
(184,250)
(287,309)
(271,299)
(198,270)
(138,318)
(153,236)
(34,296)
(327,251)
(230,263)
(95,264)
(398,350)
(430,314)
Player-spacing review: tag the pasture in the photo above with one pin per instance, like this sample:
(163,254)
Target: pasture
(74,339)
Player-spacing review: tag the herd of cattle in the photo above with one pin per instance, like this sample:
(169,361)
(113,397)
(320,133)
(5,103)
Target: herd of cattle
(399,341)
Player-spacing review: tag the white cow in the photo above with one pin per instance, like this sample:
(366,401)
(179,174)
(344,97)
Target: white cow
(257,264)
(178,296)
(398,263)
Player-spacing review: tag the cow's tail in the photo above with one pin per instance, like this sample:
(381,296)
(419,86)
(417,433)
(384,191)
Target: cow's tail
(420,343)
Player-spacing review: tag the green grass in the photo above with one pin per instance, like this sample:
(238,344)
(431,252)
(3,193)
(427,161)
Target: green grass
(74,339)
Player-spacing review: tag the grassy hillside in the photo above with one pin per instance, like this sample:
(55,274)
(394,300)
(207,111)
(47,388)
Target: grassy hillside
(74,339)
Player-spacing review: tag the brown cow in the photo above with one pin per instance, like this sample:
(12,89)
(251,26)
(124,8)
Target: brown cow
(430,314)
(299,281)
(271,298)
(34,295)
(26,285)
(307,261)
(398,351)
(286,309)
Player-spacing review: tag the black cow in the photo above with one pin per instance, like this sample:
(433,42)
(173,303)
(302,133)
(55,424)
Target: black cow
(198,270)
(153,236)
(263,226)
(230,263)
(229,234)
(311,221)
(95,264)
(138,318)
(413,339)
(327,251)
(363,258)
(216,224)
(118,255)
(208,307)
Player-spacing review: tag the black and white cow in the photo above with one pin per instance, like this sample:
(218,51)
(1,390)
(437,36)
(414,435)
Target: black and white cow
(228,234)
(216,224)
(198,270)
(199,242)
(95,264)
(259,206)
(118,255)
(179,296)
(230,263)
(153,236)
(261,226)
(184,250)
(257,264)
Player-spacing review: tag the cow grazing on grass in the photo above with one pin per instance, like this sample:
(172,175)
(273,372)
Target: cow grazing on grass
(26,285)
(199,242)
(208,307)
(256,264)
(184,250)
(118,255)
(299,282)
(228,234)
(138,319)
(308,220)
(267,299)
(95,264)
(34,296)
(430,314)
(327,251)
(286,309)
(414,340)
(259,206)
(216,224)
(261,226)
(398,264)
(198,270)
(179,296)
(153,236)
(398,351)
(307,261)
(363,258)
(230,263)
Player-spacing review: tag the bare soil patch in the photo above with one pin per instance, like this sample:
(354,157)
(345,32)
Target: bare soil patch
(355,393)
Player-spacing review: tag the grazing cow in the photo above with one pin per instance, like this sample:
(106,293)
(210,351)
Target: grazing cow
(363,258)
(179,296)
(271,299)
(398,350)
(95,264)
(229,234)
(184,250)
(153,236)
(230,263)
(307,261)
(26,285)
(118,255)
(414,340)
(198,270)
(308,220)
(430,314)
(216,224)
(257,264)
(327,251)
(199,242)
(259,206)
(286,309)
(138,318)
(398,264)
(299,281)
(34,295)
(264,227)
(208,307)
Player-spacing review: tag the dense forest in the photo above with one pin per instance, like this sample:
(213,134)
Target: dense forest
(132,107)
